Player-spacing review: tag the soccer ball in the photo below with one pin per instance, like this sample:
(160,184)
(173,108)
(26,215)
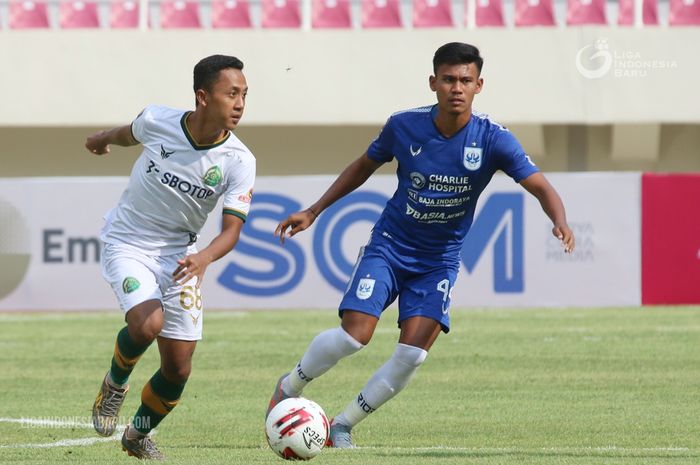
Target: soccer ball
(297,429)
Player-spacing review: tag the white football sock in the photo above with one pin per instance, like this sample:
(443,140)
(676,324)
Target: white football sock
(325,350)
(386,382)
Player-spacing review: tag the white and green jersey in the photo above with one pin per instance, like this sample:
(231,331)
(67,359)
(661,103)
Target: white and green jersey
(176,183)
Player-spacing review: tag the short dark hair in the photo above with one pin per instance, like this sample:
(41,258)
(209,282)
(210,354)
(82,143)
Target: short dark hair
(207,70)
(457,53)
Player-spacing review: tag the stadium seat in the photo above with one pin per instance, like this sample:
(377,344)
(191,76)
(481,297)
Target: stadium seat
(178,14)
(684,13)
(281,14)
(534,13)
(25,14)
(230,14)
(488,13)
(75,14)
(123,14)
(432,13)
(582,12)
(380,13)
(650,15)
(330,14)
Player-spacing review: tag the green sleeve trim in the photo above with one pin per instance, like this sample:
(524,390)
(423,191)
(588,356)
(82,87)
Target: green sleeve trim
(239,214)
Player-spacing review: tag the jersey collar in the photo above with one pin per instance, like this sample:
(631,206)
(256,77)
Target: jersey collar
(433,114)
(193,143)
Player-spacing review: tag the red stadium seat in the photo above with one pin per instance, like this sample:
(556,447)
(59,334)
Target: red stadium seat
(432,13)
(650,15)
(581,12)
(77,14)
(684,13)
(534,13)
(230,14)
(330,14)
(489,13)
(281,14)
(123,14)
(380,13)
(178,14)
(28,14)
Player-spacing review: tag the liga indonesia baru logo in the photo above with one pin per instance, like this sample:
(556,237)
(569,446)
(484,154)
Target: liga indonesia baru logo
(597,60)
(597,64)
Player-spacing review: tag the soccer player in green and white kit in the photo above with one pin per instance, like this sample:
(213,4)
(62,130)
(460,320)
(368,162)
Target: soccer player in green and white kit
(190,159)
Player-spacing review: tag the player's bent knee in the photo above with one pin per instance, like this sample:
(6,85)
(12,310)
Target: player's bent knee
(145,321)
(360,326)
(177,374)
(410,356)
(362,337)
(146,332)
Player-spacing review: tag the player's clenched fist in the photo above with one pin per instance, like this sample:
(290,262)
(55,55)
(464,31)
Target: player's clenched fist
(97,143)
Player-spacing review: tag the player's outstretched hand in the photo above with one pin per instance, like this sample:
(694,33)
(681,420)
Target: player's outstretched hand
(295,223)
(97,143)
(566,236)
(191,266)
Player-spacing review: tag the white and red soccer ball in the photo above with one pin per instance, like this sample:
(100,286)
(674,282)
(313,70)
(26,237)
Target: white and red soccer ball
(297,429)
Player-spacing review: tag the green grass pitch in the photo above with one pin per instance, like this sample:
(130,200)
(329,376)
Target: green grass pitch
(543,387)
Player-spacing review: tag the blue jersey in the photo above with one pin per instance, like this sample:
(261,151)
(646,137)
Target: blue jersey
(440,179)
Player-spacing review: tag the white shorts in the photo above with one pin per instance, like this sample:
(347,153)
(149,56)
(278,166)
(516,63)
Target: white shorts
(136,277)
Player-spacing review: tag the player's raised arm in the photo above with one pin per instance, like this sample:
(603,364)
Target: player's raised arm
(99,143)
(352,177)
(537,185)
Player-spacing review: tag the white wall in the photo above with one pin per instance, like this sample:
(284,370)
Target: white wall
(104,77)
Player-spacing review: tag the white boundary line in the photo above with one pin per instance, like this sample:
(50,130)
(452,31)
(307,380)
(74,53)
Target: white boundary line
(59,424)
(62,443)
(46,422)
(512,450)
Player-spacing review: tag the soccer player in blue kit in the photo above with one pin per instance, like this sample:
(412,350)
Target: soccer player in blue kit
(446,156)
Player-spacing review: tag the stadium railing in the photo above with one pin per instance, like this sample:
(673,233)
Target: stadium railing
(343,14)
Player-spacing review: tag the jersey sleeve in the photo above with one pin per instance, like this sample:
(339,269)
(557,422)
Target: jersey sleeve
(140,125)
(510,156)
(240,190)
(381,148)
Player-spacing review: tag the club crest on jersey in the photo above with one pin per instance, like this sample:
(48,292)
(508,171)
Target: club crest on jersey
(417,180)
(472,158)
(365,288)
(130,284)
(213,176)
(164,153)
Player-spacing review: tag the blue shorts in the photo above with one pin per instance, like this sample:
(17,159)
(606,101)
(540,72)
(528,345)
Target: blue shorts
(381,275)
